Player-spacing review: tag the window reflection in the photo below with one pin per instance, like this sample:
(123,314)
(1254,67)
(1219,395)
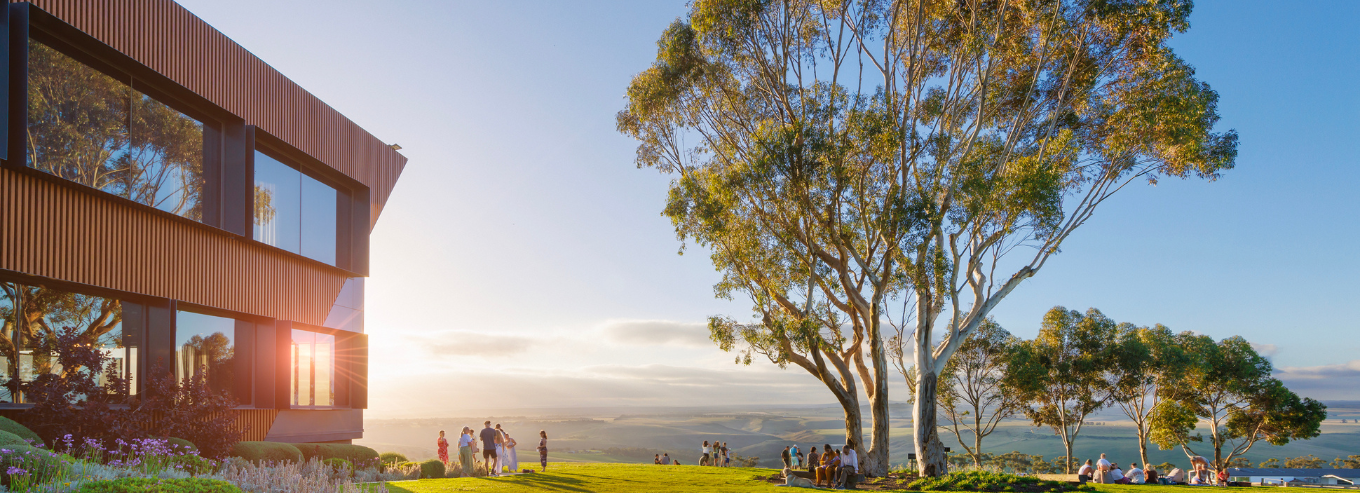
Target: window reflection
(313,364)
(93,129)
(204,346)
(33,314)
(294,211)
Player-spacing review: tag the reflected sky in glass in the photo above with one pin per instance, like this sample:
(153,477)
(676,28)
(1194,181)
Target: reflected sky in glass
(294,211)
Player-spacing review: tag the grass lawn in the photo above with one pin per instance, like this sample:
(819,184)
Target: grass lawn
(621,478)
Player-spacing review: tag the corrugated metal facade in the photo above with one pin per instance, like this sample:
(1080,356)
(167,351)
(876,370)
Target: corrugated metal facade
(170,40)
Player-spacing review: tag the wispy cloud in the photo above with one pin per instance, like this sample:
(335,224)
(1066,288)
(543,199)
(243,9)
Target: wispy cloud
(467,343)
(657,333)
(1350,369)
(1339,381)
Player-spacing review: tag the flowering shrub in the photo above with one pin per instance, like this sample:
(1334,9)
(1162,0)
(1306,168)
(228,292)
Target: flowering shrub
(24,466)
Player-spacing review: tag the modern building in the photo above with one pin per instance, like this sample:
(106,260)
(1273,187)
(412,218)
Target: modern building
(1285,476)
(187,208)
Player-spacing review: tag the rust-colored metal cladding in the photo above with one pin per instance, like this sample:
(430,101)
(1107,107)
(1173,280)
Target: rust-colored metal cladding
(52,229)
(170,40)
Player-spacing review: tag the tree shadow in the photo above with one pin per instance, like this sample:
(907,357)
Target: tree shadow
(548,482)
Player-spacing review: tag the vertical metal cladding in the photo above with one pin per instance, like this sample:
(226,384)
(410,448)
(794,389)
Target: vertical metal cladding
(170,40)
(52,229)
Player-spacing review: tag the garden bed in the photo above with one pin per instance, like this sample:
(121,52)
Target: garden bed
(959,481)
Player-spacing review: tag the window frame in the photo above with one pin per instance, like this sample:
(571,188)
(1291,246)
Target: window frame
(350,240)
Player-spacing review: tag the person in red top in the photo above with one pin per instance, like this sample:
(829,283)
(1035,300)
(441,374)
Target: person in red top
(443,444)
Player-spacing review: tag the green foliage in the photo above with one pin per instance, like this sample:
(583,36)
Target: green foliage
(11,426)
(987,481)
(8,439)
(432,469)
(1060,372)
(1271,463)
(973,398)
(1305,462)
(392,457)
(261,452)
(192,464)
(181,445)
(338,464)
(355,454)
(1349,462)
(1231,387)
(26,465)
(157,485)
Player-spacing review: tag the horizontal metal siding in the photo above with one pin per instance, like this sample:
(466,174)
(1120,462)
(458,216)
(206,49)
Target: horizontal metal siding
(170,40)
(56,230)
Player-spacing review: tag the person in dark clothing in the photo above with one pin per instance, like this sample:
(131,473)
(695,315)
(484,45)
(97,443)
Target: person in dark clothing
(788,460)
(488,436)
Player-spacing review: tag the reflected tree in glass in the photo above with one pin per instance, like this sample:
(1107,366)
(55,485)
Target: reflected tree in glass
(34,314)
(93,129)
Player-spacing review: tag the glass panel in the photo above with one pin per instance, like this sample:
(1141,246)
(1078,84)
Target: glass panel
(278,203)
(165,159)
(318,220)
(313,379)
(93,129)
(204,343)
(98,320)
(10,330)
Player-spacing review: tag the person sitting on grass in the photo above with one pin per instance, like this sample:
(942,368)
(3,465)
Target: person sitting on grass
(1176,476)
(1135,475)
(1103,470)
(1152,476)
(657,460)
(666,459)
(1222,477)
(1084,474)
(1117,474)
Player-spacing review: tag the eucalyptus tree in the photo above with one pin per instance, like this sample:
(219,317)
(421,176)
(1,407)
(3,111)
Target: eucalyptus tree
(974,400)
(1059,373)
(842,159)
(1148,371)
(1229,387)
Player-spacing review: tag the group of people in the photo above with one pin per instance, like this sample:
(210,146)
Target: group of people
(1104,471)
(834,467)
(497,449)
(715,455)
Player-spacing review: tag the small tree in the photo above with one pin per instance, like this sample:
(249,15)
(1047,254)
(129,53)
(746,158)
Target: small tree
(1148,367)
(1305,462)
(190,409)
(973,399)
(1270,463)
(77,398)
(1349,462)
(1229,386)
(1058,374)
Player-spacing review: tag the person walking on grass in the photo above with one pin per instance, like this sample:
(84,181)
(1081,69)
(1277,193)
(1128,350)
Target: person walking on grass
(703,459)
(543,448)
(489,438)
(785,455)
(465,451)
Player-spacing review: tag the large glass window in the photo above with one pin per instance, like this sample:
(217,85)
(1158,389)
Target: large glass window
(94,129)
(33,314)
(313,363)
(204,345)
(294,211)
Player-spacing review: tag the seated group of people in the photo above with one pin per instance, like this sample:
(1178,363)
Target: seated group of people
(832,468)
(1104,471)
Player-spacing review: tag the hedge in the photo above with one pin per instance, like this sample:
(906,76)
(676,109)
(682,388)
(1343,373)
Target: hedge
(8,439)
(184,445)
(432,469)
(266,452)
(157,485)
(358,455)
(392,458)
(14,427)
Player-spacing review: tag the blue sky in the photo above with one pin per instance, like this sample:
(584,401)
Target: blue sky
(523,254)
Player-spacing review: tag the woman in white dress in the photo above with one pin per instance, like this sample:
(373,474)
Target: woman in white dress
(511,459)
(500,449)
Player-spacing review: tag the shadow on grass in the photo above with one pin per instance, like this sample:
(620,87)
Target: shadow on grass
(543,481)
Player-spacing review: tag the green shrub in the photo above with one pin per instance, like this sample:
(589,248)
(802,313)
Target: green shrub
(431,469)
(258,452)
(338,464)
(983,481)
(355,454)
(392,458)
(24,433)
(8,439)
(192,464)
(156,485)
(38,465)
(181,445)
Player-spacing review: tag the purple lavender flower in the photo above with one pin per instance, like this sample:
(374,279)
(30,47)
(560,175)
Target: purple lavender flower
(16,471)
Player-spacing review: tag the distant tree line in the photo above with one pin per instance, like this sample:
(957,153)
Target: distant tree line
(1167,383)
